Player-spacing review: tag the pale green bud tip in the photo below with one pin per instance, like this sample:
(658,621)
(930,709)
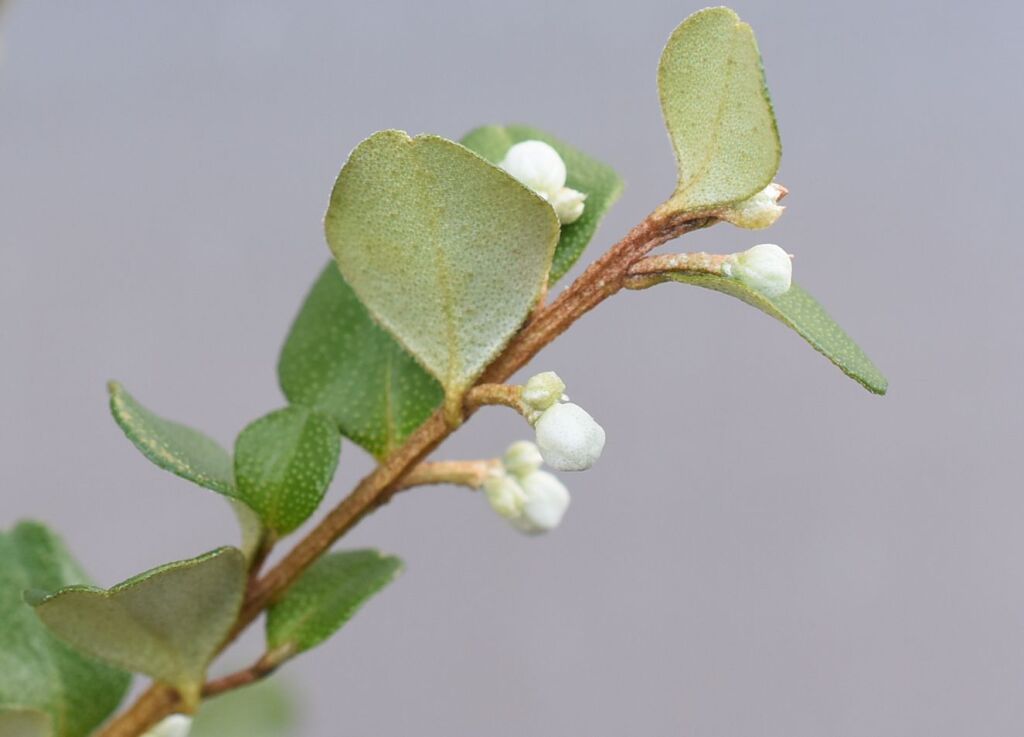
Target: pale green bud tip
(759,211)
(569,439)
(543,390)
(547,499)
(505,495)
(765,268)
(538,166)
(176,725)
(522,457)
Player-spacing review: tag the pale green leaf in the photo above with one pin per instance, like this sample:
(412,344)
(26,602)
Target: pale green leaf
(25,723)
(284,463)
(718,112)
(167,623)
(264,709)
(39,673)
(448,252)
(801,312)
(339,361)
(328,595)
(596,180)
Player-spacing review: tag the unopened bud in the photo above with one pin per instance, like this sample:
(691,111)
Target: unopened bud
(176,725)
(543,390)
(546,502)
(568,204)
(569,439)
(505,495)
(759,211)
(521,458)
(537,165)
(765,268)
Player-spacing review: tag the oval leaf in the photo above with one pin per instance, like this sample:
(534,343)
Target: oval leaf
(167,623)
(264,709)
(38,672)
(339,361)
(597,181)
(801,312)
(284,463)
(25,723)
(326,596)
(718,112)
(448,252)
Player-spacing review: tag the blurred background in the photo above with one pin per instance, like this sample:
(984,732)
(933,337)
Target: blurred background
(764,549)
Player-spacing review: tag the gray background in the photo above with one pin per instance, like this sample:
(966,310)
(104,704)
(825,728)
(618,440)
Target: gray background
(764,549)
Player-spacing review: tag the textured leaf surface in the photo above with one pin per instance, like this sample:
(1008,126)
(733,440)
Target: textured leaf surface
(585,174)
(261,710)
(37,671)
(718,112)
(448,252)
(173,447)
(801,312)
(24,723)
(328,595)
(339,361)
(284,463)
(167,623)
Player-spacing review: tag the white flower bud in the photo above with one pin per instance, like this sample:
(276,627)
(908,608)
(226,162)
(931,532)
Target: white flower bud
(568,204)
(759,211)
(546,502)
(176,725)
(542,390)
(569,438)
(505,495)
(537,165)
(521,458)
(765,268)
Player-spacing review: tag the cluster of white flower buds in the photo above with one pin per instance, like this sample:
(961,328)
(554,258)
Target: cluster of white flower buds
(759,211)
(176,725)
(568,437)
(533,501)
(766,268)
(538,166)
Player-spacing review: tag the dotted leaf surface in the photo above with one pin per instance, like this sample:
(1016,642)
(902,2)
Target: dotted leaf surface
(448,252)
(585,174)
(284,463)
(327,596)
(800,311)
(338,360)
(43,682)
(167,623)
(718,112)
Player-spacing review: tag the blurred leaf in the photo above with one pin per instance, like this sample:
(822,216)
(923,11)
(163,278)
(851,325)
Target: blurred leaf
(167,623)
(799,310)
(37,671)
(264,709)
(176,448)
(284,463)
(585,174)
(718,112)
(24,723)
(339,361)
(328,595)
(448,252)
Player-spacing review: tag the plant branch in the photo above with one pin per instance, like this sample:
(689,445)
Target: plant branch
(471,474)
(500,394)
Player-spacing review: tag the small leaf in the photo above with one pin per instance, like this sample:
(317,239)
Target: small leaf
(597,181)
(176,448)
(799,310)
(448,252)
(264,709)
(328,595)
(284,463)
(24,723)
(718,112)
(167,623)
(338,360)
(39,673)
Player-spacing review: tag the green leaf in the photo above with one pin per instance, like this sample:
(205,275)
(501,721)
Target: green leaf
(327,596)
(167,623)
(801,312)
(39,673)
(176,448)
(24,723)
(284,463)
(448,252)
(718,112)
(585,174)
(339,361)
(264,709)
